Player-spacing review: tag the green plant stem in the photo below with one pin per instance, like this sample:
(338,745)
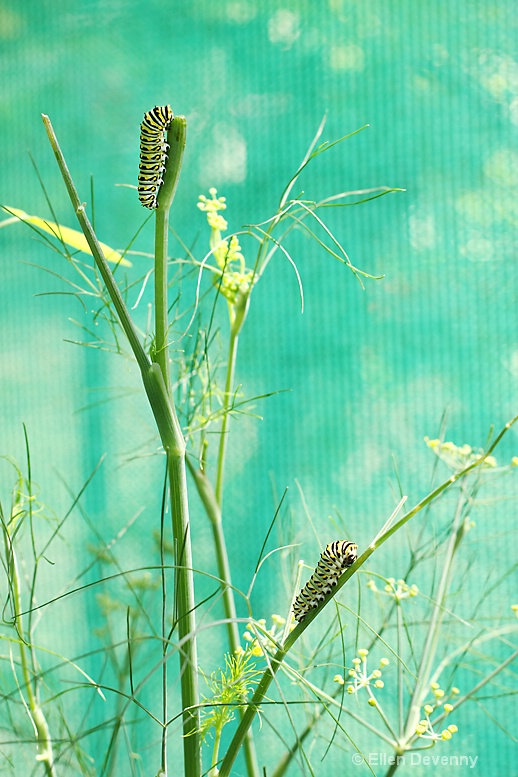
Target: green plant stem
(212,508)
(161,351)
(176,138)
(212,501)
(208,498)
(399,616)
(231,364)
(254,704)
(155,384)
(45,754)
(215,752)
(422,682)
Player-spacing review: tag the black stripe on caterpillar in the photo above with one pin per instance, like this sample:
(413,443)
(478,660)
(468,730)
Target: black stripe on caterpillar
(334,560)
(153,153)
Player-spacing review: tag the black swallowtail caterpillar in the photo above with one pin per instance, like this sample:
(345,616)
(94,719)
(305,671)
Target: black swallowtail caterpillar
(334,560)
(153,153)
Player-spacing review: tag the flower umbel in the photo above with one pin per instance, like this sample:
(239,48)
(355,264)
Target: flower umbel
(397,589)
(231,275)
(360,677)
(425,728)
(458,457)
(260,639)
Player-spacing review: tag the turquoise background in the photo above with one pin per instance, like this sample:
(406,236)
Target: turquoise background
(370,372)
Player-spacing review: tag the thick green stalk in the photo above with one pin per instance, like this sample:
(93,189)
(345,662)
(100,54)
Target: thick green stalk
(275,663)
(174,445)
(176,138)
(161,349)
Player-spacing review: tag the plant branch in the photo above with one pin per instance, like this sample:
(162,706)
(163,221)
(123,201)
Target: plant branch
(281,653)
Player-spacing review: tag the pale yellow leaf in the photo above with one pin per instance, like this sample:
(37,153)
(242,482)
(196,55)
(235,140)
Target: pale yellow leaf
(71,237)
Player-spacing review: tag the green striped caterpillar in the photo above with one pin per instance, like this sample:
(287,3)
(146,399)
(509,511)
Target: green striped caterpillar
(334,560)
(153,153)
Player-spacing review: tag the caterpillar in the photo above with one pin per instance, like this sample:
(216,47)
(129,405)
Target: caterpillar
(153,153)
(334,560)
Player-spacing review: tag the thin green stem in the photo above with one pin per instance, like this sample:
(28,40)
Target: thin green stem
(231,364)
(399,615)
(422,682)
(215,753)
(213,500)
(208,498)
(45,754)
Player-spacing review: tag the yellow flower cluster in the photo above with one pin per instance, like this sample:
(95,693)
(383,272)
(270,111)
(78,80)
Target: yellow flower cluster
(398,589)
(232,278)
(360,677)
(459,457)
(425,728)
(260,639)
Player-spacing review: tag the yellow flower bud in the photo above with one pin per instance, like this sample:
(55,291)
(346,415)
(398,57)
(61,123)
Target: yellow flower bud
(350,689)
(420,730)
(445,734)
(384,662)
(453,728)
(434,686)
(454,691)
(379,684)
(448,707)
(351,672)
(376,673)
(438,693)
(338,679)
(428,709)
(356,661)
(373,702)
(363,652)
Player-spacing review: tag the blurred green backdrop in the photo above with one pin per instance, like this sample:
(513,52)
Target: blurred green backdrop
(371,372)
